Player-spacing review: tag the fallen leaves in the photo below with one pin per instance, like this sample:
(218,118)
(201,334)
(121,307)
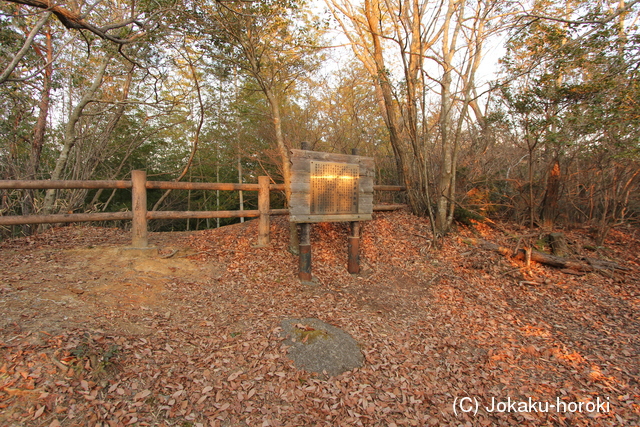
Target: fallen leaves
(433,325)
(304,327)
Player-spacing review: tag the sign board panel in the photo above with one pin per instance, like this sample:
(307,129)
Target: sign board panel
(329,187)
(334,188)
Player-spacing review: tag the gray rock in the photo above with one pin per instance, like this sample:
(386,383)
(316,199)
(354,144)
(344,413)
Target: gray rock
(319,347)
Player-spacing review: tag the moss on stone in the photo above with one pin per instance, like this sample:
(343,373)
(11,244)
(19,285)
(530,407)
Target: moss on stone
(308,337)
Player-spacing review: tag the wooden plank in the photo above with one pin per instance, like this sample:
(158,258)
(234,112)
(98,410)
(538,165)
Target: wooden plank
(389,207)
(300,165)
(331,157)
(300,204)
(279,212)
(159,185)
(329,218)
(63,218)
(365,206)
(201,214)
(300,199)
(389,188)
(297,154)
(300,187)
(366,186)
(298,176)
(43,185)
(172,185)
(299,210)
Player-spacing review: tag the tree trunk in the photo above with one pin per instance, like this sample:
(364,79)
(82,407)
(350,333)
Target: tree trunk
(41,124)
(399,128)
(405,24)
(446,184)
(285,157)
(70,133)
(550,202)
(531,145)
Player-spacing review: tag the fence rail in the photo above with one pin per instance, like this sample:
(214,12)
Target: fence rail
(150,185)
(139,214)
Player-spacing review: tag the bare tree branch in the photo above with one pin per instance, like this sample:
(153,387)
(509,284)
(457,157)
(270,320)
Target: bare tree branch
(73,20)
(27,44)
(604,21)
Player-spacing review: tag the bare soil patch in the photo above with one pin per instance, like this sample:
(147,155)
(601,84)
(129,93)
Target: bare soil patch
(91,334)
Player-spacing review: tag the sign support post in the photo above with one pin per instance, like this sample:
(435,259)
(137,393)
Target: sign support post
(354,249)
(305,253)
(353,263)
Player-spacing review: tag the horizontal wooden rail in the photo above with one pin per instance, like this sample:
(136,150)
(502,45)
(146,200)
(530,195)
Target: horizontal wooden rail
(389,207)
(278,211)
(209,186)
(173,185)
(202,214)
(151,185)
(389,188)
(58,185)
(57,218)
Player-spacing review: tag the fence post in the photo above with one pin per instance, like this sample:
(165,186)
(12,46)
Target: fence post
(139,238)
(263,207)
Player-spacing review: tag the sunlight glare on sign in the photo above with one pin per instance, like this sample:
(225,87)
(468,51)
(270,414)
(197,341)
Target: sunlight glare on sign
(334,188)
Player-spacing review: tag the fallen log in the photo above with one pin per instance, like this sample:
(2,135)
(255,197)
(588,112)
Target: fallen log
(584,264)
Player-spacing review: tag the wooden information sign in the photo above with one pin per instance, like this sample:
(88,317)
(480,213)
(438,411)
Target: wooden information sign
(329,187)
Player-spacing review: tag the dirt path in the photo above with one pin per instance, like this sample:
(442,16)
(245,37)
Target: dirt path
(49,288)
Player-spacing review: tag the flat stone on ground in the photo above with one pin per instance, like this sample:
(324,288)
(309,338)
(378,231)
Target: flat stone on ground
(318,347)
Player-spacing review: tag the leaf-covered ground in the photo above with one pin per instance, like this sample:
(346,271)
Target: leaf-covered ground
(94,335)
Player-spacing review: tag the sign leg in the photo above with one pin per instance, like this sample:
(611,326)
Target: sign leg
(354,248)
(304,273)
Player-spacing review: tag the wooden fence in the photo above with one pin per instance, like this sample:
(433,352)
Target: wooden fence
(139,215)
